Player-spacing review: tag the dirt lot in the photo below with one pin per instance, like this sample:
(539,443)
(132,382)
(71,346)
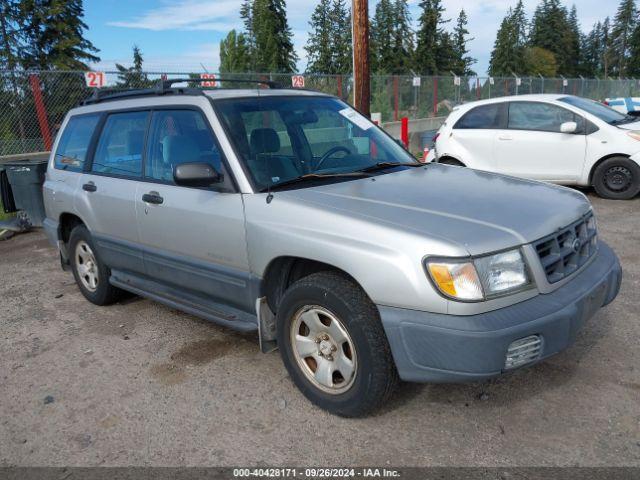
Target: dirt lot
(140,384)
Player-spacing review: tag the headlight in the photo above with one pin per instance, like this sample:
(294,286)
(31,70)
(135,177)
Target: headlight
(635,134)
(480,278)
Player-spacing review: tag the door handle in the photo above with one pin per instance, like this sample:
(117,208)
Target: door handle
(89,187)
(505,137)
(152,197)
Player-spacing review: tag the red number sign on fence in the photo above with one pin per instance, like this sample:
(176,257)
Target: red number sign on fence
(297,81)
(94,79)
(211,77)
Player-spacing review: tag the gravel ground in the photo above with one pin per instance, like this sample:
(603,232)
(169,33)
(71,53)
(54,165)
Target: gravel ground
(140,384)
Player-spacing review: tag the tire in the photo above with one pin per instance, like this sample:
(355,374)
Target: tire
(617,178)
(451,161)
(91,274)
(345,327)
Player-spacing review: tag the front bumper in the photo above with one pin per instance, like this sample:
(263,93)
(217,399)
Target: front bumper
(432,347)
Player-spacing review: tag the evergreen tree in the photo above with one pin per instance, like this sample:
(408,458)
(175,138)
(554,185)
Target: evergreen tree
(633,66)
(133,77)
(551,31)
(591,48)
(382,38)
(9,35)
(509,48)
(623,27)
(52,32)
(574,42)
(605,54)
(403,44)
(463,61)
(431,39)
(329,44)
(272,38)
(320,43)
(342,48)
(234,53)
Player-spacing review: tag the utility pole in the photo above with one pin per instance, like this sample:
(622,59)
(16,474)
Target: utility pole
(361,73)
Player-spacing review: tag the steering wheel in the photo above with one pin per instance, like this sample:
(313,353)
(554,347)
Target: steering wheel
(331,152)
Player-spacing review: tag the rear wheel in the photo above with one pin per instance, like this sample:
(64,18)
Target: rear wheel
(91,274)
(333,345)
(617,178)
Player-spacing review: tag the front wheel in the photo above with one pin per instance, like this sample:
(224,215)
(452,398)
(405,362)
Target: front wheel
(333,345)
(617,178)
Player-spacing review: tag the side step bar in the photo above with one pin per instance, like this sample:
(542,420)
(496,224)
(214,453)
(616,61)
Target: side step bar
(187,302)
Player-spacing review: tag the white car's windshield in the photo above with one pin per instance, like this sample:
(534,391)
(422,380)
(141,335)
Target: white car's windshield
(283,138)
(603,112)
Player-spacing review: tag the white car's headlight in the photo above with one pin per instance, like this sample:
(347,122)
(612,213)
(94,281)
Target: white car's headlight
(481,278)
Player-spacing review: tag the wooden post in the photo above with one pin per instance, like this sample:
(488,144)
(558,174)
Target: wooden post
(361,74)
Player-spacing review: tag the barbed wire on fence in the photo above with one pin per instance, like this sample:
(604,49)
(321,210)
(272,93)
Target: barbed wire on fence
(34,103)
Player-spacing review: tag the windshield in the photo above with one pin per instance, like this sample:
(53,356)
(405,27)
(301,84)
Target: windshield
(603,112)
(281,138)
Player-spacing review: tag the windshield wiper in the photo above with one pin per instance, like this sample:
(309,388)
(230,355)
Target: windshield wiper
(626,119)
(382,165)
(314,176)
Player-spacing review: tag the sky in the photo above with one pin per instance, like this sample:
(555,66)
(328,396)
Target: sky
(184,35)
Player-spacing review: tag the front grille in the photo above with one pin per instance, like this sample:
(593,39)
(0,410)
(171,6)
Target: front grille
(565,251)
(523,351)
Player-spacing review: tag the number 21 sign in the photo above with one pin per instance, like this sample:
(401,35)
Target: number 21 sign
(94,79)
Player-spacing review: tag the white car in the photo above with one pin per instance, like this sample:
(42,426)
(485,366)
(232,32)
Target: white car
(554,138)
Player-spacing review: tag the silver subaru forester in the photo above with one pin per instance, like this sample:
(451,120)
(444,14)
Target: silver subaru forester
(288,212)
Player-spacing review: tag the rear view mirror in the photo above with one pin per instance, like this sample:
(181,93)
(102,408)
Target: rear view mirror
(568,127)
(197,174)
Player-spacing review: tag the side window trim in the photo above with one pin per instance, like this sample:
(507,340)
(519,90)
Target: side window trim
(227,172)
(94,143)
(97,134)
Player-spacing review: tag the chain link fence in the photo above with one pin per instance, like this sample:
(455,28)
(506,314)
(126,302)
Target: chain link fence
(33,104)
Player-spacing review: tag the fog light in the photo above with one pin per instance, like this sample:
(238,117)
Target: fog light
(523,351)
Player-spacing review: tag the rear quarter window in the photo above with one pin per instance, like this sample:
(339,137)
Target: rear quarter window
(74,142)
(483,117)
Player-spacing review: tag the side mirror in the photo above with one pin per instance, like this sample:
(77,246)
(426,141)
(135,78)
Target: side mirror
(196,174)
(568,127)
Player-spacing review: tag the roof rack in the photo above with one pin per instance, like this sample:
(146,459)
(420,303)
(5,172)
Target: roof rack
(164,87)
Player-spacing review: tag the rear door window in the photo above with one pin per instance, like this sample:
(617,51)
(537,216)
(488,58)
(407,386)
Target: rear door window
(483,117)
(121,143)
(179,136)
(74,142)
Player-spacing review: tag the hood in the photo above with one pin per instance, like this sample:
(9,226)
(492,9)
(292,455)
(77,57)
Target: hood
(479,211)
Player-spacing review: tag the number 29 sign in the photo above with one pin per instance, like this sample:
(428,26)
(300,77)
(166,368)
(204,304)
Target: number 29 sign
(94,79)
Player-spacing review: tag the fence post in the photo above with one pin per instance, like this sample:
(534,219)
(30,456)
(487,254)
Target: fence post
(477,88)
(435,96)
(395,98)
(404,131)
(41,110)
(340,86)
